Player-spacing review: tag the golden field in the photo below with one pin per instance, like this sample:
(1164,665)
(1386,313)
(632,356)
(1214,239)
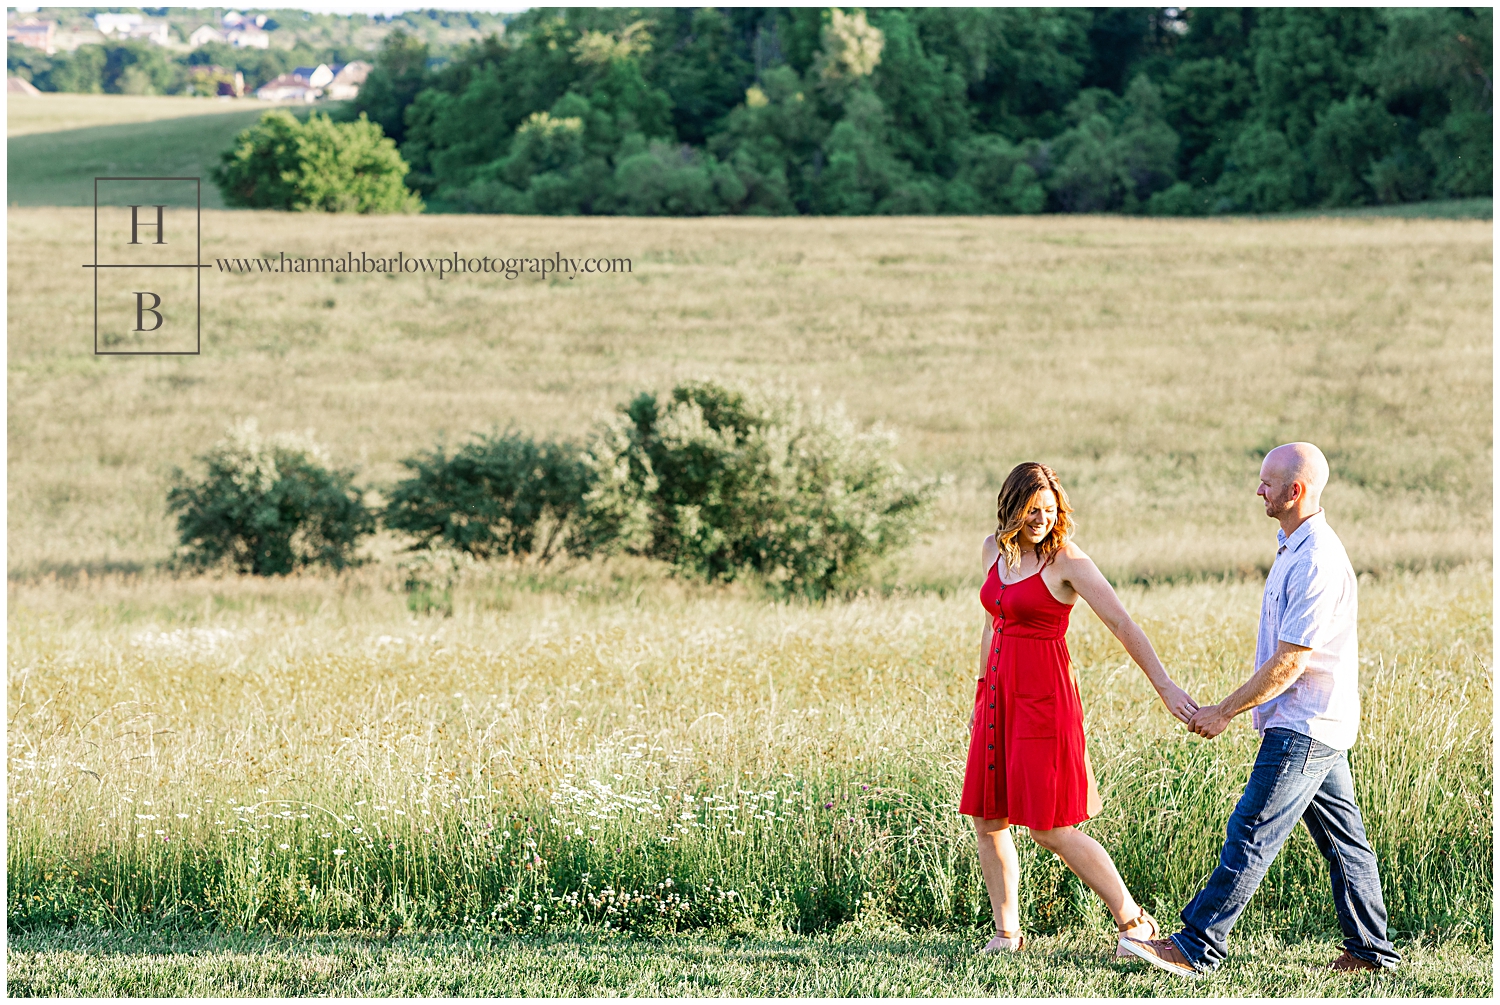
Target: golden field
(1150,362)
(307,753)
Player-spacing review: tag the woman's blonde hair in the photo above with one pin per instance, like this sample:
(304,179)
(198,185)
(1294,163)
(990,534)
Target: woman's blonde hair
(1021,486)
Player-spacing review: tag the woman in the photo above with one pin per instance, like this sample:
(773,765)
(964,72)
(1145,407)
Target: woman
(1028,763)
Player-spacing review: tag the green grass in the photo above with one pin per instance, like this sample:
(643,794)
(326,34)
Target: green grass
(1479,208)
(53,161)
(848,963)
(584,750)
(54,113)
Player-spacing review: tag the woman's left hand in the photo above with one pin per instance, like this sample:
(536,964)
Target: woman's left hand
(1178,702)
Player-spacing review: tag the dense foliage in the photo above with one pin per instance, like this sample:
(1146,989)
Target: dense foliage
(925,110)
(717,481)
(268,505)
(336,167)
(491,496)
(722,482)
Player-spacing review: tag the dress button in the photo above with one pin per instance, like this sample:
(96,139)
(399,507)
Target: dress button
(992,725)
(992,704)
(992,767)
(992,746)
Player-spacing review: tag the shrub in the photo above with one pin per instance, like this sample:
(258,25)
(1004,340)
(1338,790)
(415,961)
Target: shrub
(1181,199)
(428,579)
(721,481)
(1263,173)
(336,167)
(491,497)
(268,505)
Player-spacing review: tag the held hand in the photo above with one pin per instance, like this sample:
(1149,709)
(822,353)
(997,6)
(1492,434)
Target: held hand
(1209,721)
(1179,702)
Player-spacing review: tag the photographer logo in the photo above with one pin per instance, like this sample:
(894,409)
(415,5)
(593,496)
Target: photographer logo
(147,262)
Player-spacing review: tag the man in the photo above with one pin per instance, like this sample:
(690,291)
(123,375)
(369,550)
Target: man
(1306,700)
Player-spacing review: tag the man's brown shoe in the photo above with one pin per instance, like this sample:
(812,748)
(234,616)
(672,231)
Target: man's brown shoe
(1161,953)
(1348,963)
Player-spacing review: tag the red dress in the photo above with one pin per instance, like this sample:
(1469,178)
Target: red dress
(1027,757)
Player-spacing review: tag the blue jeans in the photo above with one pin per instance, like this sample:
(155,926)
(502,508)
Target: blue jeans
(1295,777)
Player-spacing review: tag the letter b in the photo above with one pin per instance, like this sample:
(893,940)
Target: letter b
(141,310)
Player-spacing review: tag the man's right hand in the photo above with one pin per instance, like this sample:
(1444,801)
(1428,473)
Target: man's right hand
(1209,721)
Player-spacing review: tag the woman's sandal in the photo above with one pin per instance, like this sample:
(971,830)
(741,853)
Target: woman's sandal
(1005,942)
(1140,919)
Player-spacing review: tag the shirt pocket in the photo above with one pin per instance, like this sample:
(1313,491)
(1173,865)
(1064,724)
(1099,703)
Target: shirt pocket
(1035,716)
(1272,610)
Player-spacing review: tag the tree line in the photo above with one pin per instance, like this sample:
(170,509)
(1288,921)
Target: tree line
(140,67)
(945,110)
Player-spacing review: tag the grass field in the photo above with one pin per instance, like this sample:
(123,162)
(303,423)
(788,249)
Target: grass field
(848,963)
(1480,208)
(1150,362)
(58,143)
(762,794)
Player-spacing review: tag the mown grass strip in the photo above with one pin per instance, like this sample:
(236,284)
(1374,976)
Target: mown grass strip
(847,963)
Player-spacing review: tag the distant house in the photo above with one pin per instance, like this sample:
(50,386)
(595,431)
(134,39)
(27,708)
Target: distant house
(109,24)
(219,80)
(314,76)
(234,19)
(347,80)
(15,85)
(127,27)
(204,34)
(248,37)
(34,34)
(289,87)
(159,33)
(338,82)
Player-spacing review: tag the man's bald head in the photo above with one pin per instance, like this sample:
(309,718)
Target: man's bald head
(1292,477)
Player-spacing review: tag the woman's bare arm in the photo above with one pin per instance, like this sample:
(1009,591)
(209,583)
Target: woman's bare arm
(1084,577)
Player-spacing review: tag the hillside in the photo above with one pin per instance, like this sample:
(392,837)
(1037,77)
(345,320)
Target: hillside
(58,143)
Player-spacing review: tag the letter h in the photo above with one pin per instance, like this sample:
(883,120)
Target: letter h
(135,226)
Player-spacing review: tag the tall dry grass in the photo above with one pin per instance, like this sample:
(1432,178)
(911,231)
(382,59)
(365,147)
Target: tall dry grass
(605,747)
(1149,361)
(309,753)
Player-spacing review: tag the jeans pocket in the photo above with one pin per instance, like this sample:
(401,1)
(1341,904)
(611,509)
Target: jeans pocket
(1280,752)
(1320,758)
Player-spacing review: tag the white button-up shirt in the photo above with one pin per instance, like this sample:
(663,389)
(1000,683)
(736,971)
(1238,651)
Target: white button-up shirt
(1312,600)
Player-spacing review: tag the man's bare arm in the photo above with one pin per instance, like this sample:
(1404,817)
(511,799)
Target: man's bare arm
(1276,675)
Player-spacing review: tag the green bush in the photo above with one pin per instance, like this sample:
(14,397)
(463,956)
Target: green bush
(335,167)
(720,482)
(268,505)
(1180,199)
(491,497)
